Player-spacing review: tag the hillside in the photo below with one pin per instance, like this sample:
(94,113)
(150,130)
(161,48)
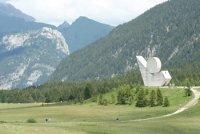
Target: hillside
(170,31)
(82,32)
(29,58)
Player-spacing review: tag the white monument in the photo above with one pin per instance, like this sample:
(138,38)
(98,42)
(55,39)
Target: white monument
(151,72)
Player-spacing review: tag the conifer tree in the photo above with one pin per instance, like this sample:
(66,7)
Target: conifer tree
(100,99)
(166,102)
(141,99)
(152,98)
(159,97)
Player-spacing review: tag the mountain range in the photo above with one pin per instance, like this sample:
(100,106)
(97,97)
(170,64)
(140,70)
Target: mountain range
(82,32)
(170,31)
(30,51)
(13,20)
(29,58)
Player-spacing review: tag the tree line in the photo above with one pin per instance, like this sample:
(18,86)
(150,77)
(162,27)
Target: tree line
(68,91)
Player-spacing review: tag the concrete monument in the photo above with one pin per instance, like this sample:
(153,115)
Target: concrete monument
(151,72)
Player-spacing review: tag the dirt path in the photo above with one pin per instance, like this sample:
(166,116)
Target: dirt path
(190,104)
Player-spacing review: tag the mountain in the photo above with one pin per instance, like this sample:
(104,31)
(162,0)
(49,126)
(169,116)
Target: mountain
(170,31)
(84,31)
(13,20)
(64,25)
(7,9)
(29,58)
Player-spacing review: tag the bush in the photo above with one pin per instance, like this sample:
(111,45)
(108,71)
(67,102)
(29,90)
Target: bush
(188,92)
(166,102)
(31,121)
(105,102)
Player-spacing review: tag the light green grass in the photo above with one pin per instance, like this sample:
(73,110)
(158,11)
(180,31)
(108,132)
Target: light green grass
(73,119)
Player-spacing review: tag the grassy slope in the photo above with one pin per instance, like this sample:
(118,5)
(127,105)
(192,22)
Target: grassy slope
(71,118)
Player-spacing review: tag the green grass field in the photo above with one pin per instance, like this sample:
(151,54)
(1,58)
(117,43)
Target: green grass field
(91,118)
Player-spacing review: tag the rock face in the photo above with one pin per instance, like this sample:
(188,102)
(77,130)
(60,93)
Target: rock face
(29,58)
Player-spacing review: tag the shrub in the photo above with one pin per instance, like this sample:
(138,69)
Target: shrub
(166,102)
(31,121)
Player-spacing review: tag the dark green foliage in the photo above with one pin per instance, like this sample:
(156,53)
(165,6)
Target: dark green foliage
(124,95)
(121,98)
(169,31)
(159,98)
(112,99)
(141,99)
(105,102)
(188,92)
(152,101)
(190,77)
(31,121)
(166,102)
(100,99)
(72,92)
(87,92)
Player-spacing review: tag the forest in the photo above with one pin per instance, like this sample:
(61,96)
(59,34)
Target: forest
(79,91)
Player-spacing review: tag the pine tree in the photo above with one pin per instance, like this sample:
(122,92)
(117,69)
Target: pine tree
(166,102)
(100,99)
(87,93)
(120,97)
(152,98)
(141,99)
(159,98)
(112,99)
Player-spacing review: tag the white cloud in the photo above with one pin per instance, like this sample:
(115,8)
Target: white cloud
(112,12)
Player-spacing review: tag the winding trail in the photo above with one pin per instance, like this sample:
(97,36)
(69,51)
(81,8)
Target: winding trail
(190,104)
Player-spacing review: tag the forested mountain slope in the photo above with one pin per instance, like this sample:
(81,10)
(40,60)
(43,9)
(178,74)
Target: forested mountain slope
(170,31)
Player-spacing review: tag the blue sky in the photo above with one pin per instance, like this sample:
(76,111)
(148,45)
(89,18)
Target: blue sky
(113,12)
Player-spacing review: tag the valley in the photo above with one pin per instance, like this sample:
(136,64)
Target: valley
(92,118)
(81,75)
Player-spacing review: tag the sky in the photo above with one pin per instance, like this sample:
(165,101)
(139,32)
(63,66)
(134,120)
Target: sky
(113,12)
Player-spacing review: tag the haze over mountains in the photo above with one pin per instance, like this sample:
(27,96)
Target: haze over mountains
(83,31)
(170,31)
(30,51)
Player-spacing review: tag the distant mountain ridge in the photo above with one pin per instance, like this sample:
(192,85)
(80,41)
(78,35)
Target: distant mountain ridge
(64,25)
(84,31)
(13,20)
(30,51)
(170,31)
(29,58)
(7,9)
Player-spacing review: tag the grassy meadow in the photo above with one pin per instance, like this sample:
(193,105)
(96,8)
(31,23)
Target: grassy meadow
(90,118)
